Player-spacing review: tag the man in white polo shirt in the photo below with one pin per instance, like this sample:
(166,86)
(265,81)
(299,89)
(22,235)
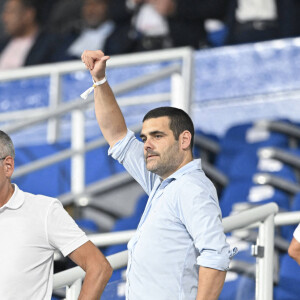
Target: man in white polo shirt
(32,227)
(294,248)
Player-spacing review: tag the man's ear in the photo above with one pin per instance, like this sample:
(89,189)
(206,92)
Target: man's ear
(9,166)
(185,140)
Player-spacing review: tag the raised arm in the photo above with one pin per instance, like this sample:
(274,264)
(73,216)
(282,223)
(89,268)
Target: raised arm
(108,113)
(97,268)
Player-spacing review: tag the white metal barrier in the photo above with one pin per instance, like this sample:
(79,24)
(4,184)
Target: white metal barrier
(261,217)
(181,85)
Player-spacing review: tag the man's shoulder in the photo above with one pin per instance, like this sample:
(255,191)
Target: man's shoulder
(196,183)
(39,200)
(196,179)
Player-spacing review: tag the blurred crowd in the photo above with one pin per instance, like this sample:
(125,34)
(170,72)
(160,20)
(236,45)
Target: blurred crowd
(44,31)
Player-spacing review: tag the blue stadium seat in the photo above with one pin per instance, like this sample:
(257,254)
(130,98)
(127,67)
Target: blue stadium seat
(288,230)
(289,280)
(247,163)
(55,179)
(238,287)
(246,191)
(245,136)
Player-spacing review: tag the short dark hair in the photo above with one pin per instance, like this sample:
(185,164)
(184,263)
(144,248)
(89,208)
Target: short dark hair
(179,120)
(6,145)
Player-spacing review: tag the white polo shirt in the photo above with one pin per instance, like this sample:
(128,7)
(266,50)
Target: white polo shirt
(31,228)
(297,233)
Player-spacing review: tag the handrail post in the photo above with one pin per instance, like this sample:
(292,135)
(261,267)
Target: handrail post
(78,160)
(182,84)
(187,75)
(264,262)
(54,101)
(73,291)
(177,91)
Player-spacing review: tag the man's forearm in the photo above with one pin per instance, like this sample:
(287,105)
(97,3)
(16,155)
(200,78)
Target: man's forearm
(210,283)
(95,282)
(109,115)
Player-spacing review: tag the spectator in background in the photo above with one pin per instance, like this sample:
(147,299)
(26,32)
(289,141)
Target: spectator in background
(92,31)
(64,16)
(26,43)
(157,24)
(257,20)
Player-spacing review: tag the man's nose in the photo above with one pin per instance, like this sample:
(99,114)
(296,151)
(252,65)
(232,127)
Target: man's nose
(148,144)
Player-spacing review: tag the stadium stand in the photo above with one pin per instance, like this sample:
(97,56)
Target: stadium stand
(224,100)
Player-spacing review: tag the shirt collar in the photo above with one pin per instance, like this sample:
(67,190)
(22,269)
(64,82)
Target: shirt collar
(15,201)
(191,166)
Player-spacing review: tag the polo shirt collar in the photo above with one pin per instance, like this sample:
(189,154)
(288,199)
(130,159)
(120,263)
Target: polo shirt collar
(16,200)
(190,167)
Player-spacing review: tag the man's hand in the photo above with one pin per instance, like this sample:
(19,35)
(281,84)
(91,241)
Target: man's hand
(95,61)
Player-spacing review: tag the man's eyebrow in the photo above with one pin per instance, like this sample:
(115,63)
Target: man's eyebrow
(153,133)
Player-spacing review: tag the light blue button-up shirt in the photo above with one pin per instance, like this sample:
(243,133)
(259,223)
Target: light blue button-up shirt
(180,229)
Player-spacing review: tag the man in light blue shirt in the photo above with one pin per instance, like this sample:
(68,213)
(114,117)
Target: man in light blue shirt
(179,250)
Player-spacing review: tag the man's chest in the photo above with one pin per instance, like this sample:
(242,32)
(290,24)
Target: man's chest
(23,240)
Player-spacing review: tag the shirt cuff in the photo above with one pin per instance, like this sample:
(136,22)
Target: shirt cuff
(117,151)
(214,260)
(74,245)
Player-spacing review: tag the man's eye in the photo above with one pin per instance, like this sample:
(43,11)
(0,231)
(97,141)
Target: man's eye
(158,136)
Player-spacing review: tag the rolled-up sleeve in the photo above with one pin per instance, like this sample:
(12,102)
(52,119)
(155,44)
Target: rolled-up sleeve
(200,213)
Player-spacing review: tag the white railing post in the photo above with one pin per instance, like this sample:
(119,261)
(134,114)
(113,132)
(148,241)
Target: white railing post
(73,291)
(188,79)
(54,101)
(182,84)
(264,261)
(78,160)
(177,91)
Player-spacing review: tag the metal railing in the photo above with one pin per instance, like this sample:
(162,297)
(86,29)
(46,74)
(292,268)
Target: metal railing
(261,217)
(181,80)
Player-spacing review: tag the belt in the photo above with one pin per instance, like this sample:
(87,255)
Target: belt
(257,25)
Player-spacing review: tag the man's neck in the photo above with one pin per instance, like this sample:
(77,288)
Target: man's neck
(6,193)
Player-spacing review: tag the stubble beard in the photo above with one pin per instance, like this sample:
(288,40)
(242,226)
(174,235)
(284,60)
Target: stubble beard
(166,163)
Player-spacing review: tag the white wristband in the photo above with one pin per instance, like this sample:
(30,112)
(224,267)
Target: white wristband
(85,94)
